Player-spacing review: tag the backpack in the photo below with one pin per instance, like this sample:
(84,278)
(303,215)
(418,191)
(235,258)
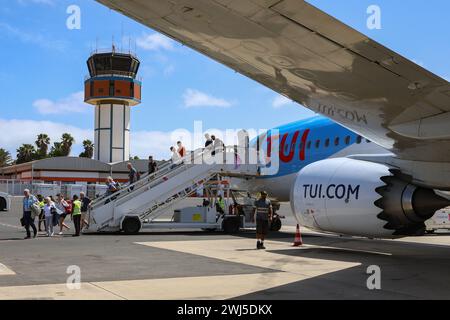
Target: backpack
(68,209)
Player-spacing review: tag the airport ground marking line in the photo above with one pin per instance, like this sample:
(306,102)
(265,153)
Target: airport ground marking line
(96,284)
(10,226)
(5,271)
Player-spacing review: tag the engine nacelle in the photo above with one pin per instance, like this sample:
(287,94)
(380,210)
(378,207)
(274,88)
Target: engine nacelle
(361,198)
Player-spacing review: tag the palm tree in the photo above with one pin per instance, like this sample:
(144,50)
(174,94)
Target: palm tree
(88,149)
(56,150)
(42,143)
(66,144)
(5,158)
(25,153)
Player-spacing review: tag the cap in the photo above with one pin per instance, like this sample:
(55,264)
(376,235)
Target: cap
(263,193)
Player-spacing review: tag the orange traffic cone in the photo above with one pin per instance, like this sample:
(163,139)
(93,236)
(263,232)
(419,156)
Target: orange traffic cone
(298,238)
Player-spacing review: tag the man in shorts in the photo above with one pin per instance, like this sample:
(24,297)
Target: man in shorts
(263,215)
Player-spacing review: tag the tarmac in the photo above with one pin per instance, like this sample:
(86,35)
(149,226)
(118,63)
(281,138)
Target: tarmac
(191,265)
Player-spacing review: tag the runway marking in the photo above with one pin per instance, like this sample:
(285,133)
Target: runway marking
(11,226)
(5,271)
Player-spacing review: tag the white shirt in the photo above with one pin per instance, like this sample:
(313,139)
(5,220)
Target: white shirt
(62,205)
(175,157)
(48,209)
(218,143)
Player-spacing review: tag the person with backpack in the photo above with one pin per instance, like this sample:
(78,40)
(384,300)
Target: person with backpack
(28,217)
(152,165)
(113,187)
(85,203)
(133,175)
(65,208)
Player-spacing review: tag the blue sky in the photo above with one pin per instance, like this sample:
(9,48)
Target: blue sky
(43,65)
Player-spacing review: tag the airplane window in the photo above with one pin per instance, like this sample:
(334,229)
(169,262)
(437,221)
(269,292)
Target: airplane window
(309,145)
(359,140)
(336,141)
(368,141)
(327,143)
(347,140)
(317,144)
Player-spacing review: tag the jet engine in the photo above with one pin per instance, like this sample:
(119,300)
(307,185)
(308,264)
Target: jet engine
(360,198)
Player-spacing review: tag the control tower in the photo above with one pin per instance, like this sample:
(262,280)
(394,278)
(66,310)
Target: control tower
(113,89)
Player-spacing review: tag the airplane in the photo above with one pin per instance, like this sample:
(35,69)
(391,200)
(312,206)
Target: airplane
(375,161)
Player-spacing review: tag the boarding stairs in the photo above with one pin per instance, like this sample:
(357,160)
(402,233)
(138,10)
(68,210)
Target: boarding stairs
(154,194)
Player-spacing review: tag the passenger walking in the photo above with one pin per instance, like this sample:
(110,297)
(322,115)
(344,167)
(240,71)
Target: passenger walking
(152,165)
(181,149)
(85,202)
(64,208)
(176,159)
(28,219)
(112,186)
(76,215)
(133,175)
(209,141)
(41,217)
(49,212)
(263,214)
(218,145)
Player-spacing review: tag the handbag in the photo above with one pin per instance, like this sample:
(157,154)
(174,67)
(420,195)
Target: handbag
(22,221)
(35,210)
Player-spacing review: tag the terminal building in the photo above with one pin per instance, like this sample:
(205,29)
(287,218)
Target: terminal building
(113,89)
(70,170)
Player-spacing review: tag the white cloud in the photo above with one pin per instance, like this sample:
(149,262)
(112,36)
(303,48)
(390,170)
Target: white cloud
(151,143)
(281,101)
(169,70)
(154,42)
(26,131)
(194,98)
(33,38)
(143,143)
(71,104)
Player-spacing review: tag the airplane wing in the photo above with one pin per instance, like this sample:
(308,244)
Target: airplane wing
(301,52)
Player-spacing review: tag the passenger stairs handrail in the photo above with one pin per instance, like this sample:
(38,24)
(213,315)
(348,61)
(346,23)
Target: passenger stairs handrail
(167,171)
(145,180)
